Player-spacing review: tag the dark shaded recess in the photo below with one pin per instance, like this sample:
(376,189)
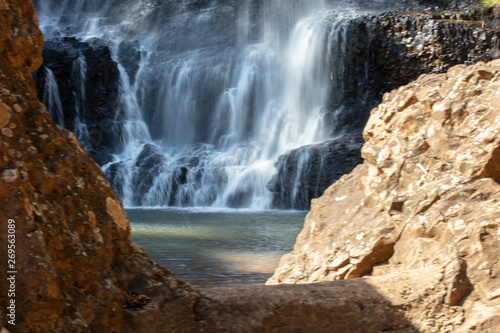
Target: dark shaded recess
(98,105)
(492,168)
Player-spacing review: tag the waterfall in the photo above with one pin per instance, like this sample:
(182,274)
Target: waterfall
(52,99)
(79,77)
(213,92)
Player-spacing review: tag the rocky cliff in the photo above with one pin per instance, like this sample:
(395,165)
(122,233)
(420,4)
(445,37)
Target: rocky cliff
(79,83)
(75,264)
(421,215)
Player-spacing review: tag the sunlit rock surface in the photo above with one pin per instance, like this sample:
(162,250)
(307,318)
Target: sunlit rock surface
(424,205)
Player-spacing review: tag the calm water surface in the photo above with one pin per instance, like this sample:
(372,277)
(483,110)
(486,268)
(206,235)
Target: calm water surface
(216,248)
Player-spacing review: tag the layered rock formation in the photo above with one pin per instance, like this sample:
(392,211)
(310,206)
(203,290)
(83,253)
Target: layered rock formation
(75,264)
(421,216)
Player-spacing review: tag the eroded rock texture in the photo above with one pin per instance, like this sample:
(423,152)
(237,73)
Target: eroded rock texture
(422,214)
(74,260)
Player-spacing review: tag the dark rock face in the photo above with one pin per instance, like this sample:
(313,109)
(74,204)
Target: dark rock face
(148,166)
(184,175)
(411,45)
(304,172)
(79,83)
(387,51)
(129,56)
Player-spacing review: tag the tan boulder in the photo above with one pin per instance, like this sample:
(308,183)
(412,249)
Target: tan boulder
(425,205)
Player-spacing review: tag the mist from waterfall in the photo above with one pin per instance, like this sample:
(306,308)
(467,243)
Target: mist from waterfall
(217,92)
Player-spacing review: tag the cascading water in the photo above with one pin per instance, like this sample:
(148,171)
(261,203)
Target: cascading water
(52,99)
(213,92)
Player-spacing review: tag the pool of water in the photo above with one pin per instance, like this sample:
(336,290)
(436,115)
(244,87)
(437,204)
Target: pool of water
(216,248)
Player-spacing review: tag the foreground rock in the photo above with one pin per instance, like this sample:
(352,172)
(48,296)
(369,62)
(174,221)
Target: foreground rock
(425,204)
(75,263)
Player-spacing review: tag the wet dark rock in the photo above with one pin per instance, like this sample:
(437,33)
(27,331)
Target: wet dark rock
(304,173)
(410,45)
(116,174)
(88,86)
(174,181)
(387,51)
(149,165)
(100,156)
(129,56)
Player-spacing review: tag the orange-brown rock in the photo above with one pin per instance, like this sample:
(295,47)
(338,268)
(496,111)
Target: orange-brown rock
(74,261)
(422,214)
